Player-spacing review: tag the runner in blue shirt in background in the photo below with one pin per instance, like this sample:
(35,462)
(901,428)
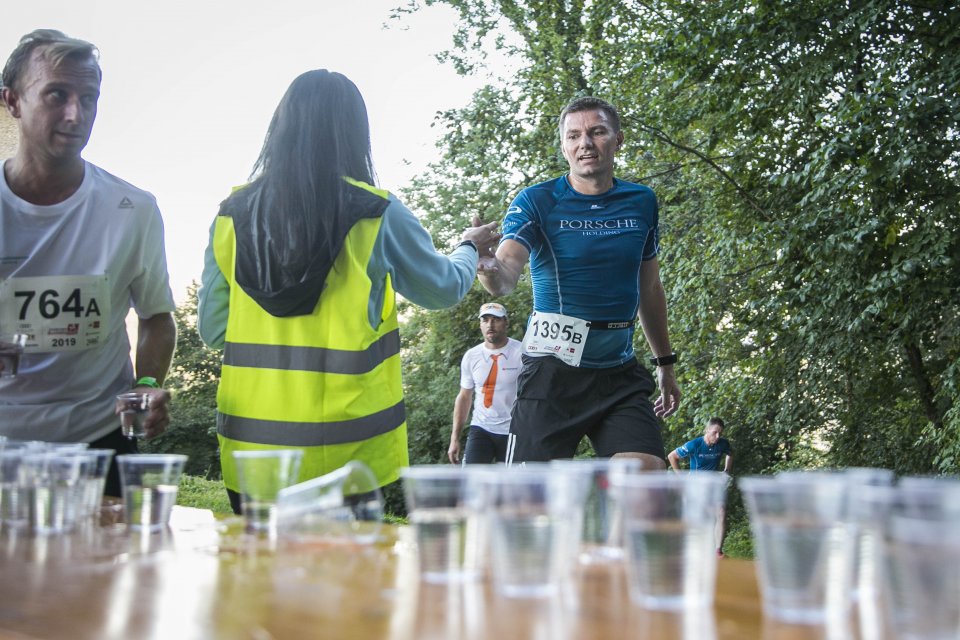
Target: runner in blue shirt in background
(592,241)
(704,454)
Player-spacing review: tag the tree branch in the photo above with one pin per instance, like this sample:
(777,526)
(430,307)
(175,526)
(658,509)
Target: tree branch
(726,176)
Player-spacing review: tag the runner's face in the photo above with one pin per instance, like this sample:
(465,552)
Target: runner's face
(56,106)
(589,144)
(494,330)
(712,434)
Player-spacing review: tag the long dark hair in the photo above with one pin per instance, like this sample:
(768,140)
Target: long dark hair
(318,134)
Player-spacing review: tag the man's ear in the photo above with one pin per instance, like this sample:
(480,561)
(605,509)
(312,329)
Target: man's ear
(11,101)
(619,139)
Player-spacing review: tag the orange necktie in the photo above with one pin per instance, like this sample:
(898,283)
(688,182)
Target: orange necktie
(490,382)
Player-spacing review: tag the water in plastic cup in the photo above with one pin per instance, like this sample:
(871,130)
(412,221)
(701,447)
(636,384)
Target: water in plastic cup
(13,505)
(921,585)
(869,508)
(864,512)
(804,545)
(13,509)
(439,507)
(669,522)
(133,408)
(261,475)
(149,483)
(49,485)
(93,479)
(602,535)
(11,348)
(530,512)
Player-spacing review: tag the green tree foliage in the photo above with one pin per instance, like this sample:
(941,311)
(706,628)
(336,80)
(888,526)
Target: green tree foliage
(192,383)
(805,157)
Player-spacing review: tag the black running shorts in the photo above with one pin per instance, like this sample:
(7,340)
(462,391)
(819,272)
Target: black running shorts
(557,405)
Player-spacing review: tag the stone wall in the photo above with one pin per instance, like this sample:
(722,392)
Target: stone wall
(8,133)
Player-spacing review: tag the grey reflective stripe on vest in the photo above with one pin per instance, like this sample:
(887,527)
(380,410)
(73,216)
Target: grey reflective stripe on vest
(270,356)
(311,434)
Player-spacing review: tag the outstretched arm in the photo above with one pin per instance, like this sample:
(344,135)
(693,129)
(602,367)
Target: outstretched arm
(500,272)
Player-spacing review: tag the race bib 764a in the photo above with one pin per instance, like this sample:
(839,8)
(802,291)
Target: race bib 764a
(58,313)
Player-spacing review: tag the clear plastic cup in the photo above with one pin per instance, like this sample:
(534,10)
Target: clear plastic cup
(13,508)
(93,479)
(11,348)
(49,486)
(344,506)
(534,515)
(149,484)
(864,512)
(601,537)
(441,508)
(921,581)
(261,475)
(133,407)
(669,522)
(804,544)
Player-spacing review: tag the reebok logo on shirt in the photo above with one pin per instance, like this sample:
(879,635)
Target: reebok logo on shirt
(126,203)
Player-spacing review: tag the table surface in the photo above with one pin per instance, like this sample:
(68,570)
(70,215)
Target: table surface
(202,578)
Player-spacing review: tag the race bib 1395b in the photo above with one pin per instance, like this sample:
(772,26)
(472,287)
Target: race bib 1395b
(558,335)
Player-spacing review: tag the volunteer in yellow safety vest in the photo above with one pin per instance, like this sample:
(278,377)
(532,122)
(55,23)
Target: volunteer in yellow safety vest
(299,286)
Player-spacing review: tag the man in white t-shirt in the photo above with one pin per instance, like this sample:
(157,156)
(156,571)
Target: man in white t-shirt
(491,369)
(78,248)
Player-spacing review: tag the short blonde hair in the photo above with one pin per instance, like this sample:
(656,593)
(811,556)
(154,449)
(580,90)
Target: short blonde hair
(57,47)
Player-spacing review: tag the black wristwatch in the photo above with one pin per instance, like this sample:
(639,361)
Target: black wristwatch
(469,243)
(664,360)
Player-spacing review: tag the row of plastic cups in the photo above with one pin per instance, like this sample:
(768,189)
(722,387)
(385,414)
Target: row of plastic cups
(529,524)
(827,539)
(50,488)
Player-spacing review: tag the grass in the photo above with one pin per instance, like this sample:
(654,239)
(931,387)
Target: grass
(203,494)
(738,542)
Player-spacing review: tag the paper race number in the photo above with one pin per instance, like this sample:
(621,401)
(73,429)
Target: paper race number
(558,335)
(58,313)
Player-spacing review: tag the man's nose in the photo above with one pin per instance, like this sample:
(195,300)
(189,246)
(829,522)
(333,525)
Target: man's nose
(73,109)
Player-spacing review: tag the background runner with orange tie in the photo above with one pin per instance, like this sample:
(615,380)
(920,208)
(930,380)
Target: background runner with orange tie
(492,368)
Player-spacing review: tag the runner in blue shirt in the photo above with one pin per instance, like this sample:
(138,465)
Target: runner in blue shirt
(591,240)
(704,454)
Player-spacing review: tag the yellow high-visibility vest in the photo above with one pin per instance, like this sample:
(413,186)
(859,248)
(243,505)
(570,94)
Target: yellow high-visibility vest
(327,383)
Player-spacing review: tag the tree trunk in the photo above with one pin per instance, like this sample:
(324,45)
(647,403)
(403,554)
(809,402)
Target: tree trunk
(924,388)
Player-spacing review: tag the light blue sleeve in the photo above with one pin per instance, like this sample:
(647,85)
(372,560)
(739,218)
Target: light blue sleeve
(426,278)
(213,299)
